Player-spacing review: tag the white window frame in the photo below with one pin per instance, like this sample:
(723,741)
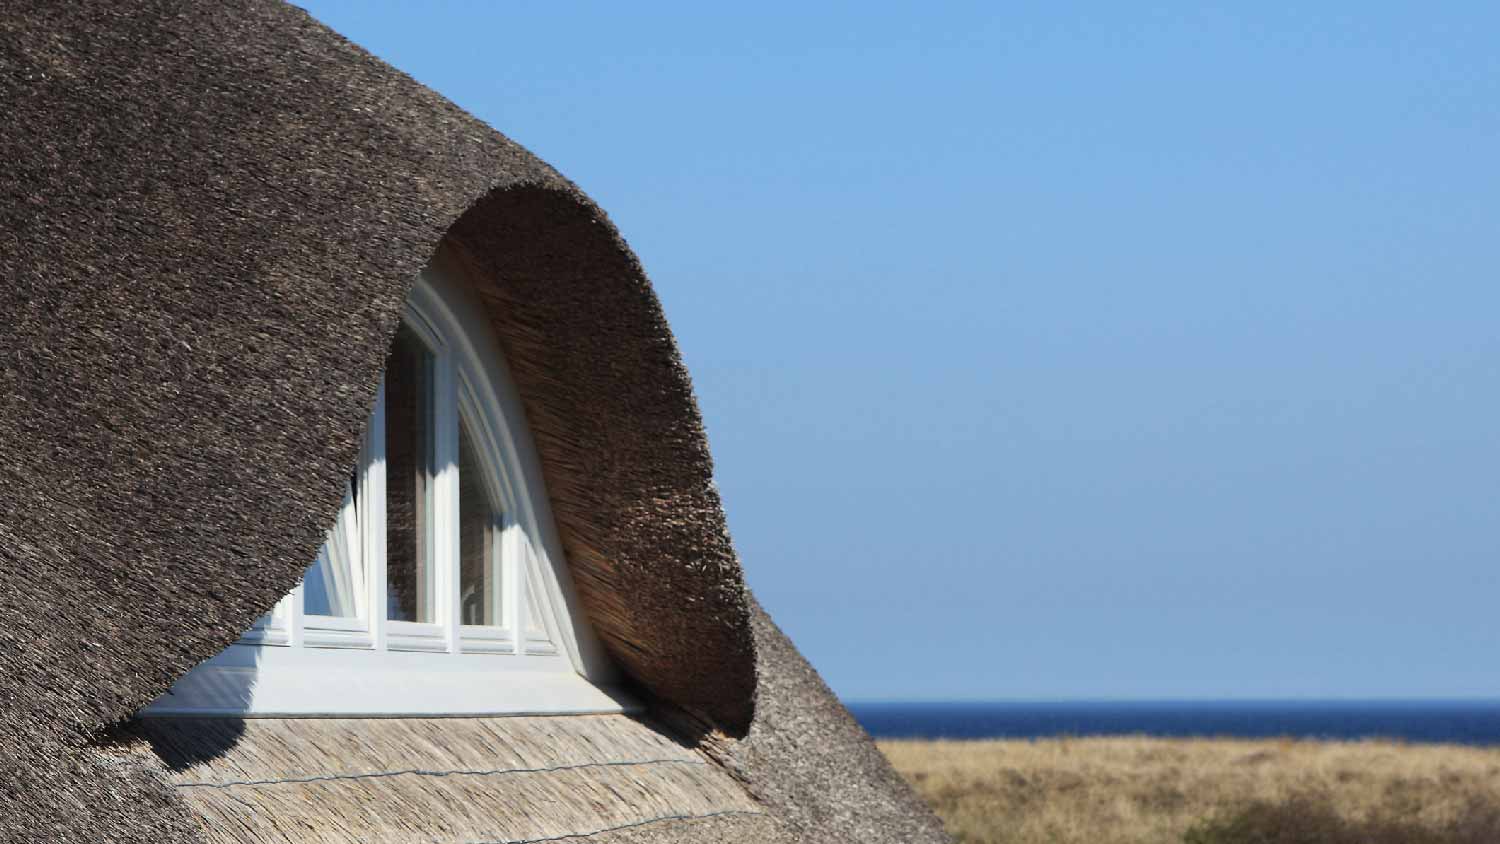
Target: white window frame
(295,664)
(338,631)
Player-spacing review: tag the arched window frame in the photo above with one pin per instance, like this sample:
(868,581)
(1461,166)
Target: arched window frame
(541,658)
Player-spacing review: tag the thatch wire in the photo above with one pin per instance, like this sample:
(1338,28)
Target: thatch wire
(422,772)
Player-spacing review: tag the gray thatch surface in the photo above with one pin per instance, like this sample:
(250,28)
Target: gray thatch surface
(213,216)
(210,214)
(334,781)
(812,765)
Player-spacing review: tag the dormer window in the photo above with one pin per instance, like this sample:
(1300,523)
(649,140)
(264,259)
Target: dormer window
(440,588)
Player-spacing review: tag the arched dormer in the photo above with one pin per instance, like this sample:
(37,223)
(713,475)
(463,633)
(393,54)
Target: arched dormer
(441,589)
(211,219)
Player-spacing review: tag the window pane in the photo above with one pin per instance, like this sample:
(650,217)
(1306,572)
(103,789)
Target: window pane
(478,539)
(333,582)
(408,462)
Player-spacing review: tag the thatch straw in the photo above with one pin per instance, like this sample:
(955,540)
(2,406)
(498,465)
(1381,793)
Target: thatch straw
(441,780)
(621,441)
(210,215)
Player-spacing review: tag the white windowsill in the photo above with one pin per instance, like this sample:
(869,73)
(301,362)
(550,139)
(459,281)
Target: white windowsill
(268,683)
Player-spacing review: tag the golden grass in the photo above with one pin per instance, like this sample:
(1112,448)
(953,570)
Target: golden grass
(1136,790)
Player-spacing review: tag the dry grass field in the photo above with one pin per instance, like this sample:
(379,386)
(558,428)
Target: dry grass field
(1135,790)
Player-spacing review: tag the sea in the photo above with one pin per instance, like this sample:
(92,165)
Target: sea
(1468,722)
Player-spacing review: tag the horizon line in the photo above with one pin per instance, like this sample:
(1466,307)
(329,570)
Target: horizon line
(1304,699)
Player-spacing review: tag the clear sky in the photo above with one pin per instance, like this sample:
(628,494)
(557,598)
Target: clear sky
(1058,350)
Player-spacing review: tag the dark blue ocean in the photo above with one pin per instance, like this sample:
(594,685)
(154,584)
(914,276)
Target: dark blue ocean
(1451,722)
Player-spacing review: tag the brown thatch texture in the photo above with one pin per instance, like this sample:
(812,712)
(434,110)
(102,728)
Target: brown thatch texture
(589,349)
(210,215)
(331,781)
(209,218)
(811,764)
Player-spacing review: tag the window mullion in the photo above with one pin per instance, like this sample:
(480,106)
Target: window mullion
(364,604)
(445,521)
(294,622)
(500,586)
(373,524)
(513,553)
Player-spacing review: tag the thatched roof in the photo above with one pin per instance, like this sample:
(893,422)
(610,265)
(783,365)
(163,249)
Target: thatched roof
(463,779)
(210,215)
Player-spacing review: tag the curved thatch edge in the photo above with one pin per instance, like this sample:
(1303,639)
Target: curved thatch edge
(209,220)
(635,503)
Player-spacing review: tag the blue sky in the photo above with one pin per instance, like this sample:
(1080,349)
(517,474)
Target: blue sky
(1059,350)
